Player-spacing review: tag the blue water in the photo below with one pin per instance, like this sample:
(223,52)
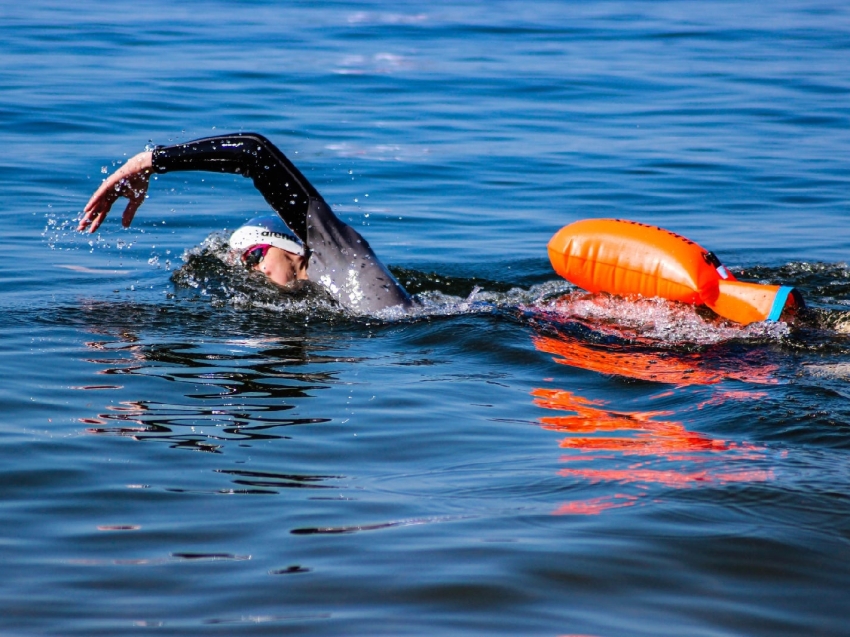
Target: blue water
(185,454)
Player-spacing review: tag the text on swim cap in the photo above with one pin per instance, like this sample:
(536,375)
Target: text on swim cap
(279,235)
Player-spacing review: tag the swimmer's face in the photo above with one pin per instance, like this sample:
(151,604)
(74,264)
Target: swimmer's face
(281,267)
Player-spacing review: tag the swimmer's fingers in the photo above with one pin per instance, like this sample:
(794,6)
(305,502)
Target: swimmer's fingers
(130,181)
(98,207)
(90,220)
(133,205)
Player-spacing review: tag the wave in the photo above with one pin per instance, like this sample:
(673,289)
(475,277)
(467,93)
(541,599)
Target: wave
(210,271)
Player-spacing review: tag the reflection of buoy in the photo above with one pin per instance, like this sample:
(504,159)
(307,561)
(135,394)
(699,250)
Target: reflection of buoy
(630,258)
(658,366)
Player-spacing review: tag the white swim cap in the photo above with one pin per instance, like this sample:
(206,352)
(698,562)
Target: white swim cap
(266,230)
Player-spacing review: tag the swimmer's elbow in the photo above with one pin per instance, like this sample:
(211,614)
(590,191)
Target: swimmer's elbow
(257,139)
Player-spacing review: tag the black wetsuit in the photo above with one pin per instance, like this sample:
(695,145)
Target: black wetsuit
(340,259)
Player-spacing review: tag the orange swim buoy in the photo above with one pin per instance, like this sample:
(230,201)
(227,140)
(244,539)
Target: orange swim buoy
(629,258)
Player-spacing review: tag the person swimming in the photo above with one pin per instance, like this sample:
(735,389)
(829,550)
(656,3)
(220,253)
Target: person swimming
(307,241)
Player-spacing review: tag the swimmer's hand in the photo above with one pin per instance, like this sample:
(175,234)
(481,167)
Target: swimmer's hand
(131,181)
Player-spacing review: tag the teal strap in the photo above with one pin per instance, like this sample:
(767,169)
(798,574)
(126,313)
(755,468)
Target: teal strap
(779,303)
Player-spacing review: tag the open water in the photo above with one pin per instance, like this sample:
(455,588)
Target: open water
(185,451)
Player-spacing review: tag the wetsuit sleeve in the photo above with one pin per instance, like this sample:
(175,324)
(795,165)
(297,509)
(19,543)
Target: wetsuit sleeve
(282,185)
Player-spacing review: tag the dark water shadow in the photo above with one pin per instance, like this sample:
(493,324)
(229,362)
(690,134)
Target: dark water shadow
(233,378)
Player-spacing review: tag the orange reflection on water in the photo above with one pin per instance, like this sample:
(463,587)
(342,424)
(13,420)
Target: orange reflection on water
(657,366)
(595,506)
(660,366)
(654,437)
(668,478)
(641,449)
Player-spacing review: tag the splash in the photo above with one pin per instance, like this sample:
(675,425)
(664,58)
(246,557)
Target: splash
(213,271)
(552,307)
(651,320)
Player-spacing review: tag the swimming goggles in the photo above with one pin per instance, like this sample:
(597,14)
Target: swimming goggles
(254,255)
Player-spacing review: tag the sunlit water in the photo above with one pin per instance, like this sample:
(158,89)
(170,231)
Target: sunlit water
(189,451)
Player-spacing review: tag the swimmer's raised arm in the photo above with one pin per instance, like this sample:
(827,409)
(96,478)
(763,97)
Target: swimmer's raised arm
(282,185)
(131,181)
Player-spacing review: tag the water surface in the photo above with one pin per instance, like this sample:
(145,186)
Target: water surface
(188,451)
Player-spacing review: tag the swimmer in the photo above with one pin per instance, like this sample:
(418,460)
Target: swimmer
(307,241)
